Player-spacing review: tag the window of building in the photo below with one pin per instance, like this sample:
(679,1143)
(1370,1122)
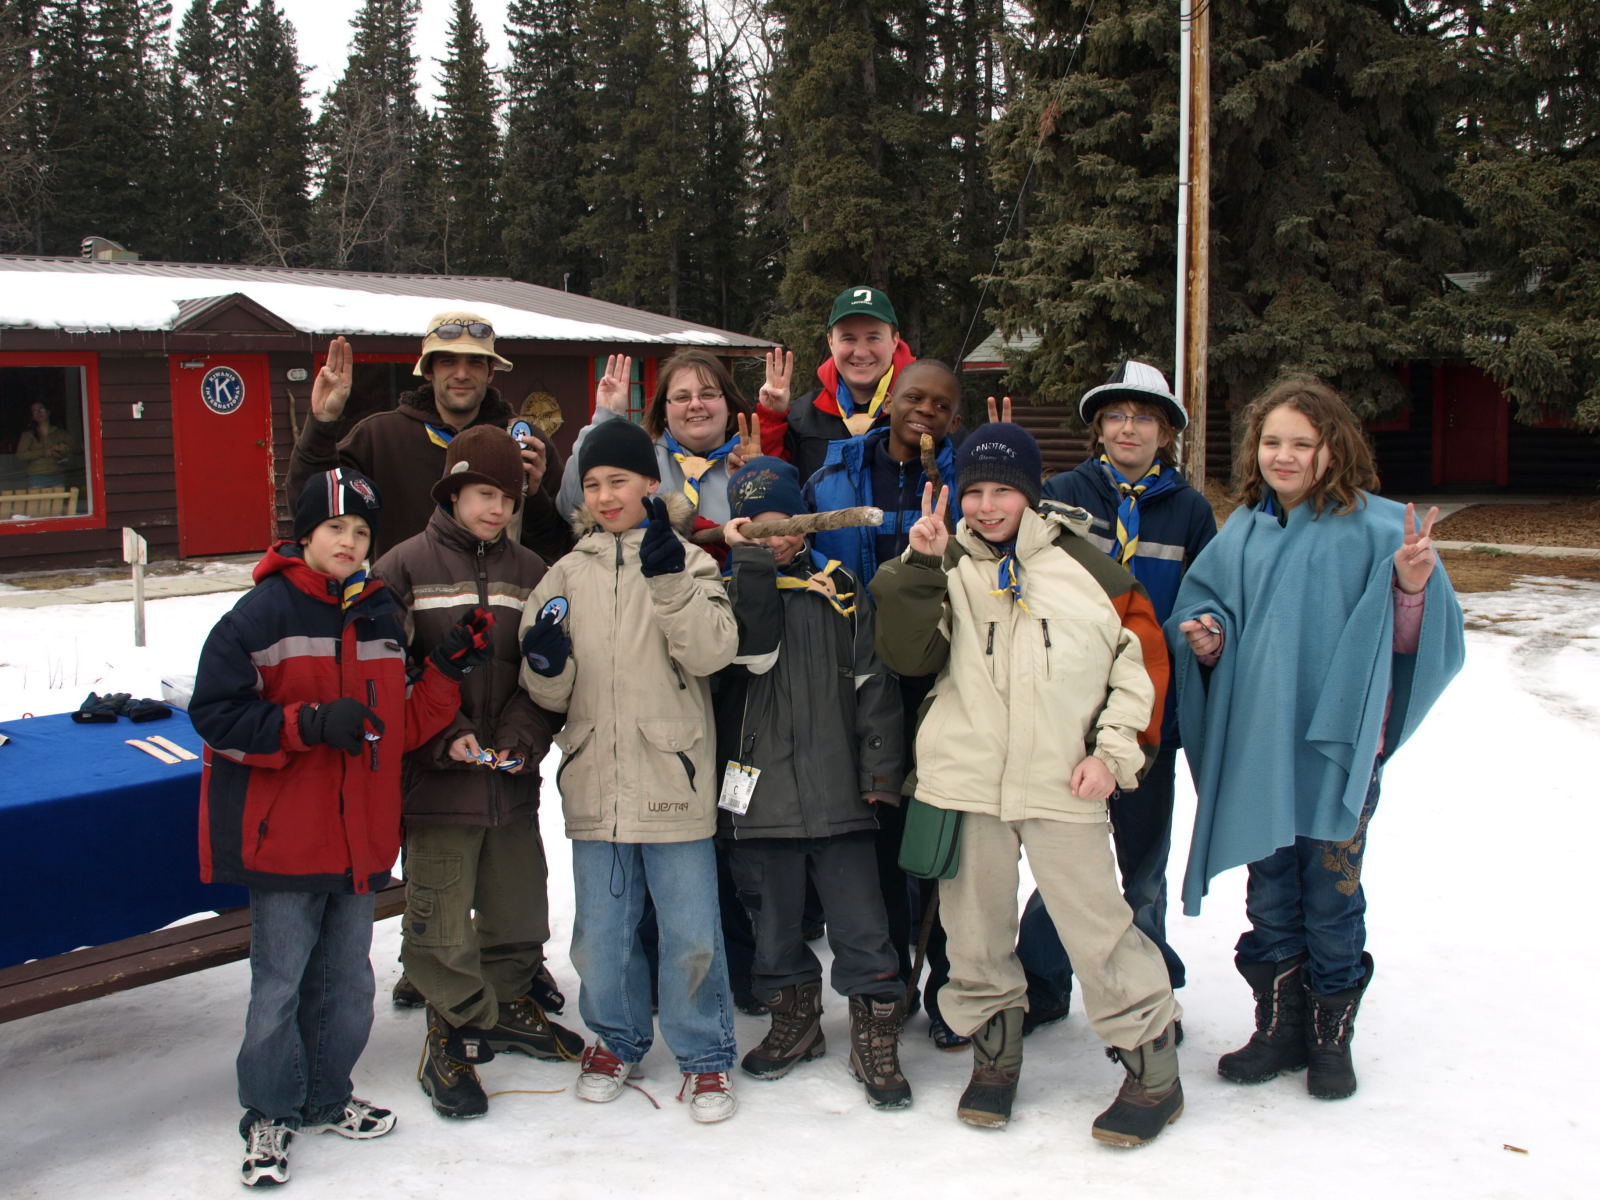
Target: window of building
(46,437)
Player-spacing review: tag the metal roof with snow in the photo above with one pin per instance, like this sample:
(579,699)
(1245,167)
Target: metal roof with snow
(80,295)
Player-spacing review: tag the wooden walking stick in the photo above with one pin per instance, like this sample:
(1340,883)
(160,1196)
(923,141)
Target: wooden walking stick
(929,913)
(802,523)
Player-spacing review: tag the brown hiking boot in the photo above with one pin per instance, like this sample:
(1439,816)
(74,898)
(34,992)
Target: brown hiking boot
(445,1073)
(875,1050)
(996,1067)
(522,1026)
(795,1035)
(1151,1097)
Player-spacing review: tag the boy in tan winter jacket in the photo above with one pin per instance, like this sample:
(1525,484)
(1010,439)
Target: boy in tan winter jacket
(621,635)
(1051,674)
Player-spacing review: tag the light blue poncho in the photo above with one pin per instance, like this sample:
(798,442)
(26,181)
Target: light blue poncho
(1283,733)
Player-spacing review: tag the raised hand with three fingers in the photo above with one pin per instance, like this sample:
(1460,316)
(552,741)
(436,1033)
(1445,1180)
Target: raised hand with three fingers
(1413,562)
(775,392)
(611,390)
(330,390)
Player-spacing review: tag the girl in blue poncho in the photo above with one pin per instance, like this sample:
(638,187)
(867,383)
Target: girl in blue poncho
(1309,640)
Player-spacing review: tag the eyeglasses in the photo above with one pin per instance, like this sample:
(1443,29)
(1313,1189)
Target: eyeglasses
(1116,420)
(451,330)
(705,397)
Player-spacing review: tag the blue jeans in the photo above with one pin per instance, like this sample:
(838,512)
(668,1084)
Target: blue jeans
(1307,899)
(1141,828)
(611,881)
(310,1004)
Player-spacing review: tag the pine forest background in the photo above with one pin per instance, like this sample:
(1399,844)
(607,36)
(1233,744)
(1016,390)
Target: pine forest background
(989,164)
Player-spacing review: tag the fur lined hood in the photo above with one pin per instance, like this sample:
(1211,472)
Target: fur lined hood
(679,511)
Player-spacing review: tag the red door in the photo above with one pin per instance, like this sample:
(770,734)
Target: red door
(222,446)
(1471,428)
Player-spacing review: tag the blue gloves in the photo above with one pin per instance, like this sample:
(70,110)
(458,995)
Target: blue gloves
(546,645)
(660,553)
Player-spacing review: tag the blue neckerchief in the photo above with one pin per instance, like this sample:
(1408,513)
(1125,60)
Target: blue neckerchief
(1126,533)
(1008,581)
(354,584)
(691,483)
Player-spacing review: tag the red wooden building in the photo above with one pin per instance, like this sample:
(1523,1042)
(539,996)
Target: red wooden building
(181,387)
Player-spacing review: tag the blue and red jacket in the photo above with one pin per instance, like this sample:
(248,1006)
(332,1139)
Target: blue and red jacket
(278,814)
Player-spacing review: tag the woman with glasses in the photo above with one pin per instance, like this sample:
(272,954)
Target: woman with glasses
(703,426)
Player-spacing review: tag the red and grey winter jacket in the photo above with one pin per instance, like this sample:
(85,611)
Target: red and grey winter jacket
(278,814)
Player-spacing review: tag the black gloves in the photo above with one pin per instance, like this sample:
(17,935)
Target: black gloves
(101,710)
(660,553)
(546,645)
(344,724)
(466,645)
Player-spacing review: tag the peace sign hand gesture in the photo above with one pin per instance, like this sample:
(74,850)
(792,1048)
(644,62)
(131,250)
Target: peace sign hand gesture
(774,393)
(749,442)
(1413,562)
(611,390)
(1003,413)
(930,535)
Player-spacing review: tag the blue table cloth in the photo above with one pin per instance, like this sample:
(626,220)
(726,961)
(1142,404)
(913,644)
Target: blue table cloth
(100,840)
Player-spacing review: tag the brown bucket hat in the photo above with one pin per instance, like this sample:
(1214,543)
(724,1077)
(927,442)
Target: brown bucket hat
(453,332)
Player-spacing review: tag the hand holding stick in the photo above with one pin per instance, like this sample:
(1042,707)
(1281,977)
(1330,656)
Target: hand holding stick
(801,523)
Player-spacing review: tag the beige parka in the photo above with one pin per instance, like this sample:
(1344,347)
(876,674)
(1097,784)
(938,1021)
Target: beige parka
(639,746)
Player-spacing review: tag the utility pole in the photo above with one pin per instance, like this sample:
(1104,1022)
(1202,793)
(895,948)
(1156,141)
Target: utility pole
(1194,229)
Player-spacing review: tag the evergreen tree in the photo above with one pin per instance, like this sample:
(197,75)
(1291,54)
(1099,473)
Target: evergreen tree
(267,151)
(464,218)
(101,77)
(545,126)
(1330,218)
(21,166)
(865,166)
(195,112)
(638,152)
(369,138)
(1529,174)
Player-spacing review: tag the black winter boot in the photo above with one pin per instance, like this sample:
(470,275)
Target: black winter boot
(1279,1042)
(795,1035)
(1329,1031)
(1151,1097)
(447,1074)
(875,1050)
(523,1026)
(996,1067)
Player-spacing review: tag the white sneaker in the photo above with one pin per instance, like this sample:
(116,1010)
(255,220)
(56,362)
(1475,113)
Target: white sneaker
(361,1119)
(710,1096)
(266,1154)
(603,1074)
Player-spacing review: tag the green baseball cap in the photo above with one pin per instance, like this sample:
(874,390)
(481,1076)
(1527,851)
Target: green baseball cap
(862,301)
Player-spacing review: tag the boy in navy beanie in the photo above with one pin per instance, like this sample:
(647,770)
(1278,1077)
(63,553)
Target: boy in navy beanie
(825,740)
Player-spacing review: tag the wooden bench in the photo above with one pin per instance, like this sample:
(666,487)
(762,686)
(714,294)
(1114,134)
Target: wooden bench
(39,502)
(79,975)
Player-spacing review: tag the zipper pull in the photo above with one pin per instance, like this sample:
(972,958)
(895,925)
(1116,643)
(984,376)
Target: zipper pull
(1045,625)
(990,648)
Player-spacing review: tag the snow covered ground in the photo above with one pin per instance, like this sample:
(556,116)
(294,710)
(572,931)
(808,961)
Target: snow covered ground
(1477,1049)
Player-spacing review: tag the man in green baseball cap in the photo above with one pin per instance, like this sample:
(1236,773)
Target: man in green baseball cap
(865,354)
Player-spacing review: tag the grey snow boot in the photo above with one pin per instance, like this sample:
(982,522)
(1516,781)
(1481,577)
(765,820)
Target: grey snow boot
(795,1035)
(1279,1042)
(1151,1097)
(875,1050)
(996,1067)
(1329,1030)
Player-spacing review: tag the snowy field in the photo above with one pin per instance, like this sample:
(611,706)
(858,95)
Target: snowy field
(1473,1084)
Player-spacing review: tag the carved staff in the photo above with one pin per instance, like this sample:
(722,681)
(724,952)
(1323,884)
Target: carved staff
(803,523)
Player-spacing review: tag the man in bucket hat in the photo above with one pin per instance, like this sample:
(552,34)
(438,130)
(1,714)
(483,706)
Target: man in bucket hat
(403,449)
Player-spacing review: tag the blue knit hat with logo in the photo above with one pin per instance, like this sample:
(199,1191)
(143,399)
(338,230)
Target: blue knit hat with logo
(1001,452)
(765,485)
